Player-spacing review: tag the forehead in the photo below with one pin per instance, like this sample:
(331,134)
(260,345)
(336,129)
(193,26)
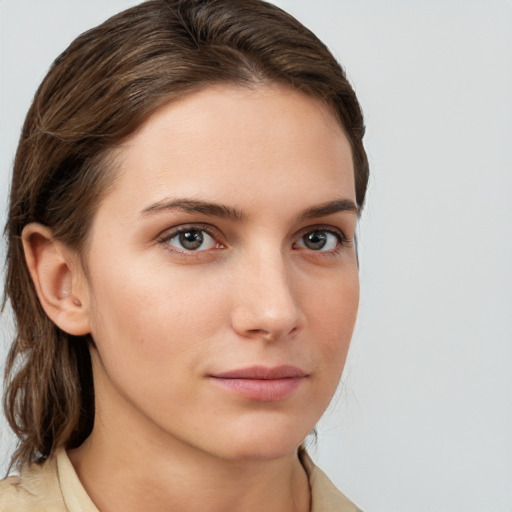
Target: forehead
(226,141)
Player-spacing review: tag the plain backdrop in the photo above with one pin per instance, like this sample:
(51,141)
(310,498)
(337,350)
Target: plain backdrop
(423,419)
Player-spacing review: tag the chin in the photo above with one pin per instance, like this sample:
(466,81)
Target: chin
(263,451)
(262,444)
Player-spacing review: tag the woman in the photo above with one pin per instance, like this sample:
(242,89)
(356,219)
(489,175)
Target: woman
(182,264)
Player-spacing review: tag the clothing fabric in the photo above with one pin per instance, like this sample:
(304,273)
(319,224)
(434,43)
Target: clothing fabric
(54,487)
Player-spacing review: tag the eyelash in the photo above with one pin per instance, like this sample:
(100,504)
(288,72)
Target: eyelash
(165,238)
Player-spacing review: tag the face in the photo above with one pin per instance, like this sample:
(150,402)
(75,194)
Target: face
(222,274)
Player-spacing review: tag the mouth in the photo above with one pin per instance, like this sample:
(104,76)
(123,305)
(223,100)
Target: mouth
(260,383)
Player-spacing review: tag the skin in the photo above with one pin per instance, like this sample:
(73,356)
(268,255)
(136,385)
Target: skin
(165,320)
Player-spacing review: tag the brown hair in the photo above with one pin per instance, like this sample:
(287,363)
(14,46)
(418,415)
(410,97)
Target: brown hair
(97,93)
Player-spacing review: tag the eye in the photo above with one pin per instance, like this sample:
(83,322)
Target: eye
(192,239)
(320,240)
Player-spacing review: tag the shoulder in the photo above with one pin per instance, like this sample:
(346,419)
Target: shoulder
(36,488)
(325,497)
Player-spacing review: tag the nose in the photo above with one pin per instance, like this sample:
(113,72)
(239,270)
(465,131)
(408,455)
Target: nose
(266,303)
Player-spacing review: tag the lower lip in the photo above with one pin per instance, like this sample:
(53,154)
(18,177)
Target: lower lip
(261,390)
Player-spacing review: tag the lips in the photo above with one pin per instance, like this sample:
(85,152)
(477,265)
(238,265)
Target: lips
(260,383)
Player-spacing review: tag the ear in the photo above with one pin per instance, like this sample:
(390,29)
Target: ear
(58,278)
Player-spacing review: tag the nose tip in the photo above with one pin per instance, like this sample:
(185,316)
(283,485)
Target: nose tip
(272,327)
(267,307)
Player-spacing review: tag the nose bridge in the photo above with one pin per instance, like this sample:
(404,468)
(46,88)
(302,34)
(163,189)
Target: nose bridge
(266,303)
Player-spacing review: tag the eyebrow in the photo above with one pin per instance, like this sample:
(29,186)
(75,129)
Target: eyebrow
(329,208)
(196,206)
(228,212)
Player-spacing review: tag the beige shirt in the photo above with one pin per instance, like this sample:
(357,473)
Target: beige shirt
(54,487)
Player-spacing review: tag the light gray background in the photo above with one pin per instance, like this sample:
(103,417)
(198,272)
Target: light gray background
(423,421)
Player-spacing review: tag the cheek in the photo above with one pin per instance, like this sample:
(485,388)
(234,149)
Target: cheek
(153,316)
(333,316)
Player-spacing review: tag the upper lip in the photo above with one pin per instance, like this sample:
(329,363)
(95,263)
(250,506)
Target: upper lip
(263,373)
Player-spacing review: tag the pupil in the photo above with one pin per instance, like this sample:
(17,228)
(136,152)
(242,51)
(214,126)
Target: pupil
(191,239)
(315,240)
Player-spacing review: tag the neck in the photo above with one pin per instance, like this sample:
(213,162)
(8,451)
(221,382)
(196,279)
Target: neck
(131,479)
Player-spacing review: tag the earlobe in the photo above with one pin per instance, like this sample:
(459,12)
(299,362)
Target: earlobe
(58,279)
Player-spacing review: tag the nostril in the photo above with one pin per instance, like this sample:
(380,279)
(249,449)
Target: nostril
(270,334)
(257,331)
